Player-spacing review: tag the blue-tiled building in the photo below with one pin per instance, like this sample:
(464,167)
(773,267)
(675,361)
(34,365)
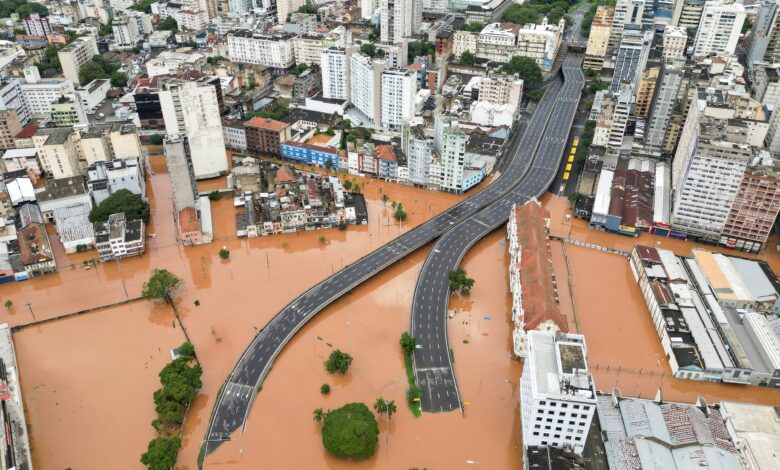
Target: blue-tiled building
(310,154)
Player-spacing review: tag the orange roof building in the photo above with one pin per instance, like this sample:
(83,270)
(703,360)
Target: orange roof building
(531,277)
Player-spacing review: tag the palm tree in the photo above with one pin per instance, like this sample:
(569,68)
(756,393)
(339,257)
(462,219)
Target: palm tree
(385,198)
(318,415)
(380,406)
(390,409)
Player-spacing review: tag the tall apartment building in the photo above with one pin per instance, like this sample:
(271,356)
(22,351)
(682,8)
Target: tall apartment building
(39,93)
(598,39)
(759,36)
(265,136)
(453,158)
(130,28)
(627,12)
(418,149)
(9,127)
(75,55)
(557,394)
(58,151)
(365,77)
(501,89)
(665,100)
(399,88)
(367,8)
(193,219)
(399,19)
(755,208)
(11,98)
(687,14)
(286,7)
(631,56)
(36,25)
(307,49)
(711,176)
(674,41)
(645,90)
(271,50)
(623,102)
(719,28)
(192,108)
(335,66)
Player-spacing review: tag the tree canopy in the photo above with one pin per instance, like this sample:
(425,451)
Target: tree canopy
(350,432)
(408,343)
(338,361)
(536,12)
(308,9)
(420,48)
(299,69)
(473,27)
(459,281)
(160,285)
(168,24)
(161,453)
(467,58)
(125,201)
(526,68)
(368,49)
(99,68)
(22,8)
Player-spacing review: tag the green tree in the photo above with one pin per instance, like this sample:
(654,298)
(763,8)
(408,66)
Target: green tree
(385,198)
(536,94)
(156,139)
(408,343)
(161,453)
(168,24)
(338,361)
(526,68)
(322,240)
(390,409)
(299,69)
(106,29)
(420,48)
(325,389)
(186,350)
(26,8)
(224,253)
(308,9)
(123,200)
(473,27)
(459,281)
(118,79)
(400,214)
(144,6)
(329,164)
(347,184)
(215,195)
(467,58)
(8,304)
(368,49)
(160,285)
(318,415)
(350,432)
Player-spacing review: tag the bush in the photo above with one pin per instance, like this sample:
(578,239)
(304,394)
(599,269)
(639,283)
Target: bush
(186,350)
(325,389)
(342,226)
(123,200)
(338,361)
(161,453)
(156,139)
(408,343)
(224,253)
(526,68)
(215,195)
(350,432)
(459,282)
(8,304)
(413,394)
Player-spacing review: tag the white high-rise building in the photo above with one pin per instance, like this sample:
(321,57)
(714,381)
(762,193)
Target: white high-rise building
(366,85)
(674,41)
(192,109)
(453,158)
(40,93)
(719,28)
(11,97)
(501,89)
(399,19)
(271,50)
(285,8)
(557,394)
(368,7)
(398,92)
(418,149)
(335,68)
(627,12)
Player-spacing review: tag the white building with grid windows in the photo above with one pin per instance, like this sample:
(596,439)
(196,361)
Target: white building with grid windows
(557,394)
(398,92)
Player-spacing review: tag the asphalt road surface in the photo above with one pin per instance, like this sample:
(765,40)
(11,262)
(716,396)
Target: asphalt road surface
(432,361)
(240,387)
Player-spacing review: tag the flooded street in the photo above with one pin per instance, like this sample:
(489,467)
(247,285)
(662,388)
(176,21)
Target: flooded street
(368,324)
(88,381)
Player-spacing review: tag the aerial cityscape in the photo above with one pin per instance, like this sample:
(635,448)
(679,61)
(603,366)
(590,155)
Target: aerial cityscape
(397,234)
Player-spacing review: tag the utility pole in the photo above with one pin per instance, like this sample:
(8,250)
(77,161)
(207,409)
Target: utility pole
(29,305)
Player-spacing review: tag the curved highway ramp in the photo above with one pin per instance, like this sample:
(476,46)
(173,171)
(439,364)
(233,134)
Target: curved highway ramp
(239,390)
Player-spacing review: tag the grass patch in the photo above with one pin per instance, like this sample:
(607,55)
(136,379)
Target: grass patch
(452,356)
(201,455)
(415,406)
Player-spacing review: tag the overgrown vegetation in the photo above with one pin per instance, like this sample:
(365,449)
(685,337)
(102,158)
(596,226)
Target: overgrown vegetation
(350,431)
(156,139)
(338,362)
(215,195)
(308,9)
(526,68)
(459,281)
(100,68)
(473,27)
(534,12)
(299,69)
(168,24)
(408,344)
(467,58)
(278,113)
(587,19)
(125,201)
(180,381)
(399,214)
(586,138)
(420,48)
(21,8)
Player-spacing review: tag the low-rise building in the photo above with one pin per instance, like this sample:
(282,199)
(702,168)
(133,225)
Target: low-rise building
(105,178)
(37,257)
(755,431)
(74,229)
(265,135)
(119,238)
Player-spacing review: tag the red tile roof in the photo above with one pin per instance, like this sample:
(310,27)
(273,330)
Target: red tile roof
(266,123)
(386,152)
(188,220)
(27,132)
